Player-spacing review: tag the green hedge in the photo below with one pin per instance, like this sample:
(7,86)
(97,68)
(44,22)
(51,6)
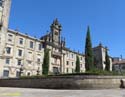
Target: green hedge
(92,72)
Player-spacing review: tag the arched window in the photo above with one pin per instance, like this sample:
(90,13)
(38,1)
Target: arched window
(56,33)
(28,74)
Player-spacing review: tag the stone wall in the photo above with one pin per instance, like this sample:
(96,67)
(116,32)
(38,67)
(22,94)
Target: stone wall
(67,82)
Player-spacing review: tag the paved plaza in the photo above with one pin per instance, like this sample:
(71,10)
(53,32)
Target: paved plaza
(23,92)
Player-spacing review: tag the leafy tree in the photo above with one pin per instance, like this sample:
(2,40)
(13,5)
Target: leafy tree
(45,65)
(89,64)
(77,69)
(107,61)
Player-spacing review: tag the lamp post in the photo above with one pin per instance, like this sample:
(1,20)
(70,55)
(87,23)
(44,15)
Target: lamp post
(38,71)
(21,70)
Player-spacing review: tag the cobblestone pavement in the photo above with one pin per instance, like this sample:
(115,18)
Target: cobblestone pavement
(21,92)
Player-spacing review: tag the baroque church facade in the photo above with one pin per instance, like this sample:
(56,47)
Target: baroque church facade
(22,52)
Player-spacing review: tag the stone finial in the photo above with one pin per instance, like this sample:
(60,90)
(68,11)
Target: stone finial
(100,44)
(47,32)
(56,22)
(26,33)
(17,29)
(64,39)
(106,48)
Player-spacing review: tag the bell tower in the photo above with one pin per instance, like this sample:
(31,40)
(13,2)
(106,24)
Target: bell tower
(56,32)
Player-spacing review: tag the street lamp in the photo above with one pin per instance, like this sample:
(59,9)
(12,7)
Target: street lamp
(38,71)
(21,70)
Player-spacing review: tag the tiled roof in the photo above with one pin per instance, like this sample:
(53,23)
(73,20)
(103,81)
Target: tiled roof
(119,62)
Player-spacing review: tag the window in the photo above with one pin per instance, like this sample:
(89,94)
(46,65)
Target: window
(72,70)
(72,55)
(56,33)
(28,74)
(30,52)
(55,61)
(38,60)
(6,73)
(29,62)
(81,58)
(7,60)
(31,44)
(20,40)
(10,37)
(19,62)
(123,67)
(67,55)
(17,74)
(55,70)
(67,62)
(81,65)
(67,70)
(40,46)
(72,63)
(19,52)
(0,37)
(8,50)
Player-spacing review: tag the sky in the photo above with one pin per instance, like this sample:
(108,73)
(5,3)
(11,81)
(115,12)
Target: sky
(106,19)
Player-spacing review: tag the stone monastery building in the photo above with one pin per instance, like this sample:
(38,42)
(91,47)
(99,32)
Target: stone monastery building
(20,51)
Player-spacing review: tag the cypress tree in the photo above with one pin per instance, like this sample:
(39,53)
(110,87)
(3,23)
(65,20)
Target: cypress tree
(77,69)
(107,61)
(89,65)
(45,65)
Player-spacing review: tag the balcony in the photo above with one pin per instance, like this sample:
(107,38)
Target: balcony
(55,64)
(56,54)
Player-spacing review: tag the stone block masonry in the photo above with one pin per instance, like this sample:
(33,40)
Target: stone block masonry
(67,82)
